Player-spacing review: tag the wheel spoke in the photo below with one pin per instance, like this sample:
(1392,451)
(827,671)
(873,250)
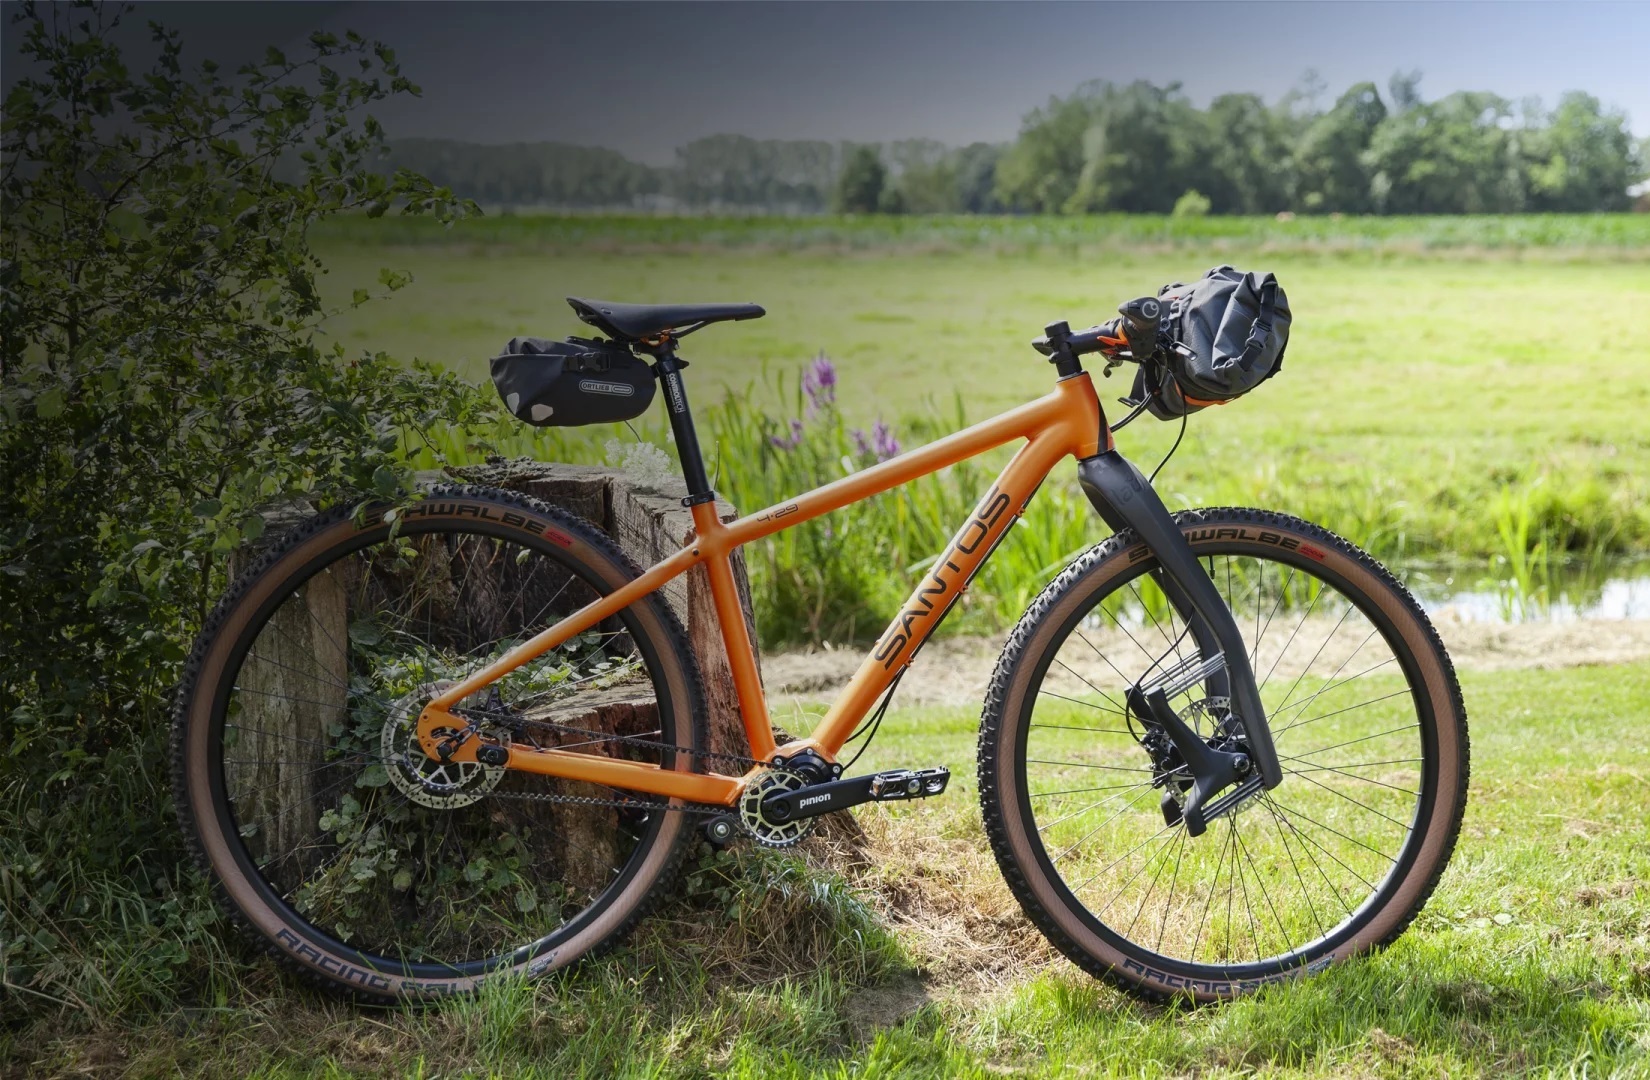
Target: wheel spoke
(1297,874)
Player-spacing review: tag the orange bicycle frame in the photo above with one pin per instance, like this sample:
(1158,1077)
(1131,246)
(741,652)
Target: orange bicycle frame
(1067,422)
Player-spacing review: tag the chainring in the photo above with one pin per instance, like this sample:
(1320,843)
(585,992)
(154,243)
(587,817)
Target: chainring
(774,834)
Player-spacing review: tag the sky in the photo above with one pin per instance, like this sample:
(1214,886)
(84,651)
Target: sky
(646,78)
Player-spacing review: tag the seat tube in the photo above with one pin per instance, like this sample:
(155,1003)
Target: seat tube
(681,426)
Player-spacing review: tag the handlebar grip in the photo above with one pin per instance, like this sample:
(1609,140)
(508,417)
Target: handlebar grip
(1140,325)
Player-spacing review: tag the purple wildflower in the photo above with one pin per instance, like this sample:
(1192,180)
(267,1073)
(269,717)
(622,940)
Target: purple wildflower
(883,441)
(790,442)
(862,443)
(819,382)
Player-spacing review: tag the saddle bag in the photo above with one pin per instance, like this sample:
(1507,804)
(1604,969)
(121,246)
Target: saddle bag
(1219,338)
(572,382)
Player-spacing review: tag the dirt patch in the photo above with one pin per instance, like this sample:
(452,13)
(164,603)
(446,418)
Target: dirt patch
(1594,895)
(875,1008)
(946,900)
(954,671)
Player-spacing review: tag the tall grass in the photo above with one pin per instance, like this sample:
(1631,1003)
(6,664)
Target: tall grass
(840,578)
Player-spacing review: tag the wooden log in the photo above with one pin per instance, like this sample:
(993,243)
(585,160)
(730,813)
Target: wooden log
(649,523)
(293,687)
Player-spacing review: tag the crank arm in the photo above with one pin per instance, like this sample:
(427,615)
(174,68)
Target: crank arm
(1125,499)
(896,785)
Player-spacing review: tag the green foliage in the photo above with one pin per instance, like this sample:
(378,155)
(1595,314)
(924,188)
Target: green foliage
(161,387)
(1110,148)
(1329,156)
(1561,237)
(1193,204)
(529,174)
(859,188)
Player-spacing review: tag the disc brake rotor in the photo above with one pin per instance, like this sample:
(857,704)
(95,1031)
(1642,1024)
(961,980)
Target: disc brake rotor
(415,774)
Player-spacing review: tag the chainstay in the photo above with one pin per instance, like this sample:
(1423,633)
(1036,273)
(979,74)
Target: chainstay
(514,720)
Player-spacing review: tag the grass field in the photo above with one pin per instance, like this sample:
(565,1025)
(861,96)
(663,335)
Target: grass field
(1532,958)
(1435,403)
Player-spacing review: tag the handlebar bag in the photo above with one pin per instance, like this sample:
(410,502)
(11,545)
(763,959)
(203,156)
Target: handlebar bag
(1220,337)
(572,382)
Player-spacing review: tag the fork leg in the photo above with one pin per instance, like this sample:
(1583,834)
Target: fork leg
(1124,498)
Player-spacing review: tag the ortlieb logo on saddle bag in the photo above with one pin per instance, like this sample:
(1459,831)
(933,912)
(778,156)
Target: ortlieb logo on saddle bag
(1219,337)
(572,382)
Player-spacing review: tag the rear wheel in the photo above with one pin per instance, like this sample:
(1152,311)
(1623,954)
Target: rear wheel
(1078,792)
(346,851)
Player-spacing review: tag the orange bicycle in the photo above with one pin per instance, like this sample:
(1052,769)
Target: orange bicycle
(422,748)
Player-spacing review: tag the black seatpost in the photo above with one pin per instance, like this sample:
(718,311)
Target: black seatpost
(681,425)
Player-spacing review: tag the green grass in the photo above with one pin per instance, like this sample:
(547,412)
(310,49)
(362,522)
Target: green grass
(918,965)
(1564,236)
(1432,406)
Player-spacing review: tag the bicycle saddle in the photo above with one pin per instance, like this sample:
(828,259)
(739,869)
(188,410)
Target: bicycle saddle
(632,322)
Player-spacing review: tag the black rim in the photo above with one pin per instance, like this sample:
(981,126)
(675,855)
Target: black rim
(647,831)
(1306,860)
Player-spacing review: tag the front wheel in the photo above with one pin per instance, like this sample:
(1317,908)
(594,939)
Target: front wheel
(1080,794)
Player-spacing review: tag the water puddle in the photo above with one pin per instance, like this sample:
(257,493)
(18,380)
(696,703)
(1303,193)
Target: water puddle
(1482,592)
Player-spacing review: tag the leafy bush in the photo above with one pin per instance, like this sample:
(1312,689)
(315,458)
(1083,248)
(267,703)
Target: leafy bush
(1193,204)
(160,386)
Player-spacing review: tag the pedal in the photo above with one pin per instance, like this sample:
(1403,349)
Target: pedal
(895,785)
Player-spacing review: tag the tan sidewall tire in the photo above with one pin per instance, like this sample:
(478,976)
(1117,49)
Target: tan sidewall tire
(1048,903)
(283,933)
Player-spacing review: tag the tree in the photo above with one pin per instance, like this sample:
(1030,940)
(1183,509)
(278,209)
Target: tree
(976,177)
(859,188)
(161,383)
(1246,167)
(1580,158)
(1452,156)
(740,172)
(1137,151)
(1329,158)
(1039,171)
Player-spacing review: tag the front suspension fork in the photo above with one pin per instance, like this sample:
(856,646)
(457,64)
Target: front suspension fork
(1125,499)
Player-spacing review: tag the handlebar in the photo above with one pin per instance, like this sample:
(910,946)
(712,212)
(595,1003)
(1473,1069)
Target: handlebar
(1130,336)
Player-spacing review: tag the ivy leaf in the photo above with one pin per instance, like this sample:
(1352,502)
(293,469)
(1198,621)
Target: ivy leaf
(365,632)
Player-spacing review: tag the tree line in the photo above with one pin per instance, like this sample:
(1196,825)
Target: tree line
(1108,147)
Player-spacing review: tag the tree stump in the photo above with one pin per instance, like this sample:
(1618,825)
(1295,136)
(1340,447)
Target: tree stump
(649,525)
(294,685)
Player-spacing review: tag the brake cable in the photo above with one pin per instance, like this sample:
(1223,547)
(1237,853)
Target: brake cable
(1172,449)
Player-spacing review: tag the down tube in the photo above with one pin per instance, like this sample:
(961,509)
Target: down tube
(941,587)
